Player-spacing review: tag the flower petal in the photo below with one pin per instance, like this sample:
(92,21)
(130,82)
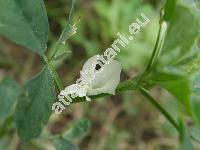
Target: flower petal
(105,80)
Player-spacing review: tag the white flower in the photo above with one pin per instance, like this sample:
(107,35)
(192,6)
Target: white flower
(95,79)
(106,78)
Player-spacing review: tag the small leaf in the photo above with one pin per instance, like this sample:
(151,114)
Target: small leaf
(178,85)
(9,91)
(62,144)
(186,143)
(34,105)
(25,22)
(78,130)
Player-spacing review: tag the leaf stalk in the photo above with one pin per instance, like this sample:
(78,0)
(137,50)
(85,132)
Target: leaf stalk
(146,94)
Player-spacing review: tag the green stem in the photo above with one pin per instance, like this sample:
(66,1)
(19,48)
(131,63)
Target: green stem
(146,94)
(157,49)
(159,44)
(132,85)
(65,33)
(54,74)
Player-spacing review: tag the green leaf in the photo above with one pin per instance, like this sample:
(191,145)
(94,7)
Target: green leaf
(186,143)
(25,22)
(183,31)
(177,84)
(169,9)
(9,91)
(79,129)
(62,144)
(34,105)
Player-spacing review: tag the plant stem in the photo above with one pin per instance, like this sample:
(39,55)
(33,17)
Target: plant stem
(157,49)
(65,33)
(54,74)
(146,94)
(63,37)
(159,44)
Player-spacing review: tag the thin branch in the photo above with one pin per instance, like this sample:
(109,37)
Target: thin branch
(159,44)
(146,94)
(157,49)
(65,33)
(127,85)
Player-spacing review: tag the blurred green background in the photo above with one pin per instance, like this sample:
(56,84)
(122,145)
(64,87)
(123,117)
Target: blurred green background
(121,122)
